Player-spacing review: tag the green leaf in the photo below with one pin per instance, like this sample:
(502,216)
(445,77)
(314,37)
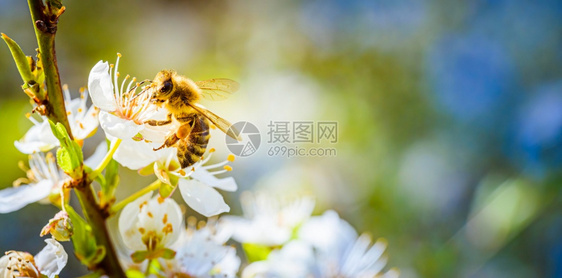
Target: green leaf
(83,240)
(69,156)
(256,252)
(21,60)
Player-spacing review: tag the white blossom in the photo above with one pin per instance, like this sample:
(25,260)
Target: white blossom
(200,256)
(150,223)
(48,262)
(269,220)
(83,123)
(202,253)
(325,246)
(52,259)
(44,179)
(123,109)
(198,183)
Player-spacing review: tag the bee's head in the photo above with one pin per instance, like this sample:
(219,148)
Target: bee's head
(162,86)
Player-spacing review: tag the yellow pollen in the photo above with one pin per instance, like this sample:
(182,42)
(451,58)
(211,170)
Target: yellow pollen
(142,230)
(212,150)
(82,89)
(134,79)
(28,115)
(118,54)
(182,172)
(168,229)
(112,65)
(227,167)
(201,224)
(149,214)
(230,157)
(192,169)
(65,87)
(68,113)
(80,110)
(81,125)
(191,221)
(160,200)
(118,74)
(165,218)
(143,204)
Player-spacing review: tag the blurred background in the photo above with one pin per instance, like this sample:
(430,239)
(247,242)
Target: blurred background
(449,114)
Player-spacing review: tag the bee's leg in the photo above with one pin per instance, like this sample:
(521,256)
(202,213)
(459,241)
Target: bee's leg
(159,123)
(170,141)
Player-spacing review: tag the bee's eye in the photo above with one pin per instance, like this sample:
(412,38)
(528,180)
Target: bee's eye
(166,87)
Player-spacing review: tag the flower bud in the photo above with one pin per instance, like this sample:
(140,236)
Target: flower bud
(60,227)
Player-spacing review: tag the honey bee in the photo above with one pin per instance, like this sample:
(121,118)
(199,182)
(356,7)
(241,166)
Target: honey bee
(179,95)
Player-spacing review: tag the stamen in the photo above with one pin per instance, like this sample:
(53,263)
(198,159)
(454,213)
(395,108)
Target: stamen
(33,120)
(230,157)
(66,93)
(123,83)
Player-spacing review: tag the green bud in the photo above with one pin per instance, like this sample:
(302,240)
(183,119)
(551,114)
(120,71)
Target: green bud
(60,227)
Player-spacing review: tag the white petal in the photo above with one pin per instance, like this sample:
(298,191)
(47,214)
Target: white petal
(227,184)
(202,198)
(14,198)
(86,125)
(52,259)
(135,154)
(264,231)
(200,254)
(98,155)
(39,138)
(228,266)
(127,220)
(118,127)
(157,134)
(101,88)
(328,232)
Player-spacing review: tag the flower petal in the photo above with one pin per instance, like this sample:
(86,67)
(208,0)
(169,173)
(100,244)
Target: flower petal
(52,259)
(118,127)
(127,220)
(15,198)
(101,88)
(135,154)
(202,198)
(98,155)
(228,184)
(39,138)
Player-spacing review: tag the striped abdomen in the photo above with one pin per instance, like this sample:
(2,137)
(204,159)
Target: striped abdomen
(193,146)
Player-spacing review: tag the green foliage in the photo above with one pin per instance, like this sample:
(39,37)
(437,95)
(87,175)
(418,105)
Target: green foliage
(85,246)
(69,156)
(22,62)
(256,252)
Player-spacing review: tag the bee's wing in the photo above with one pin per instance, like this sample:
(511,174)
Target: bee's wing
(221,123)
(217,88)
